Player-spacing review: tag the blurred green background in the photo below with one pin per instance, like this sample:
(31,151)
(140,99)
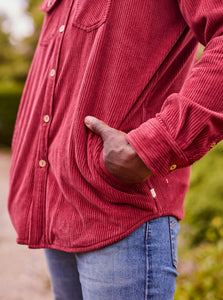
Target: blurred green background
(201,236)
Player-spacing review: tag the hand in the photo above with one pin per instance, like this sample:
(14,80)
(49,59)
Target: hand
(120,158)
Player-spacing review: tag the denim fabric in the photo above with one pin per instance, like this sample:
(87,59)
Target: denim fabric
(141,266)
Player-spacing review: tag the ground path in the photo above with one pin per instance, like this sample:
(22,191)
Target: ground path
(23,272)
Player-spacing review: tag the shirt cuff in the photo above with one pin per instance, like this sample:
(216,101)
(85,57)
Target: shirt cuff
(157,149)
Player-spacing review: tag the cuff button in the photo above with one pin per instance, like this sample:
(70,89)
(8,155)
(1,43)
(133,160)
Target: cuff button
(213,145)
(173,167)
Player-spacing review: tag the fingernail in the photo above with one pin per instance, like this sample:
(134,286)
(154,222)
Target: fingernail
(87,120)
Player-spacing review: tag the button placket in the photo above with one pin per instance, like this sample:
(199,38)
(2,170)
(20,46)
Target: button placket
(52,72)
(42,163)
(46,118)
(62,27)
(42,158)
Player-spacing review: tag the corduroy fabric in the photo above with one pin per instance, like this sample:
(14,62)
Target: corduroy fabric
(129,63)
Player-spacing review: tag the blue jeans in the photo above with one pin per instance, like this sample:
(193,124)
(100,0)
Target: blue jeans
(141,266)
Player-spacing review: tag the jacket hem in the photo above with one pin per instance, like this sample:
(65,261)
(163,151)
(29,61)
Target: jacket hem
(100,244)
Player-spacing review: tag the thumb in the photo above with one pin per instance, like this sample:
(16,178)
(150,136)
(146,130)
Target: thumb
(97,126)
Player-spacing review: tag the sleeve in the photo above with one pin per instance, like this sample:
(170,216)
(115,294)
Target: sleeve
(190,122)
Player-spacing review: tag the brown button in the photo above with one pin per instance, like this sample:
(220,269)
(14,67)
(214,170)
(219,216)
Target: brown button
(173,167)
(46,118)
(62,28)
(213,145)
(52,73)
(42,163)
(49,3)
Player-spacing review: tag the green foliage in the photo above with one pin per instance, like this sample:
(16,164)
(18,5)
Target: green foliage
(10,95)
(37,16)
(204,208)
(201,236)
(15,60)
(200,51)
(201,274)
(5,45)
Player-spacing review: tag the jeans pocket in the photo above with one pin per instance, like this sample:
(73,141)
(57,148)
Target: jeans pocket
(89,15)
(174,230)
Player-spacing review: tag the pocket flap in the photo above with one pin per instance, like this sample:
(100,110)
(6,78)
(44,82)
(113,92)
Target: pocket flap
(48,5)
(89,16)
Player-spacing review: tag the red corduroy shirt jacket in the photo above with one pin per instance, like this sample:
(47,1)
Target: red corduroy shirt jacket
(130,63)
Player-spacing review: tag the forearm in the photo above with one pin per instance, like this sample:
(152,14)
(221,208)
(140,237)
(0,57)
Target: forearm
(190,122)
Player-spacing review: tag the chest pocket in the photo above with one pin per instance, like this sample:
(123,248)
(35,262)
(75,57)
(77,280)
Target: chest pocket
(51,21)
(90,14)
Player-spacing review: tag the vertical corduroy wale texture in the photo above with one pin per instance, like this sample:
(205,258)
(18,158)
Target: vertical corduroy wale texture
(128,63)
